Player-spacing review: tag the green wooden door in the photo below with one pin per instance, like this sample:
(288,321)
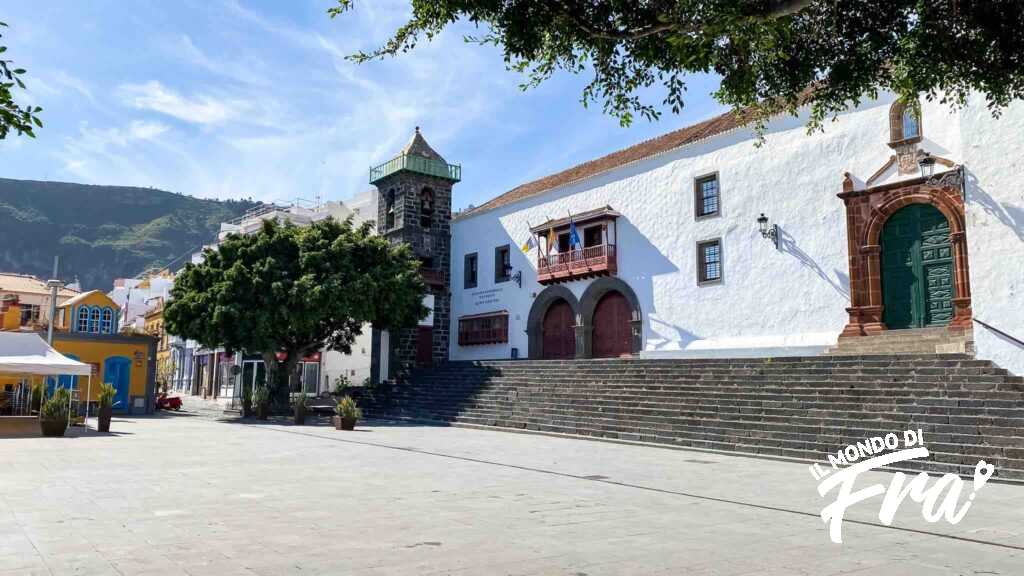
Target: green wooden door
(917,268)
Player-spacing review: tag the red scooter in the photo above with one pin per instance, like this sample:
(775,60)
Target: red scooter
(165,402)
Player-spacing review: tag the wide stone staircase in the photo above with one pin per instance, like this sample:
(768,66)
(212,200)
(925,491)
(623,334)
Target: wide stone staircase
(803,408)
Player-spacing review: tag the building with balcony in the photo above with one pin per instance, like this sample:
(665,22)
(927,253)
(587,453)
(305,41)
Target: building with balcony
(33,298)
(711,241)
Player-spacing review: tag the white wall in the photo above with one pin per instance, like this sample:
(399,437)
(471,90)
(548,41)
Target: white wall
(994,156)
(355,366)
(770,302)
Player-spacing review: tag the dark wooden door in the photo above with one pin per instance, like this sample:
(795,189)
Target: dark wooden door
(559,334)
(424,346)
(612,336)
(917,268)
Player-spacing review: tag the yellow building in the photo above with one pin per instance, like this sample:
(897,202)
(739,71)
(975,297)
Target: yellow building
(33,296)
(154,326)
(86,330)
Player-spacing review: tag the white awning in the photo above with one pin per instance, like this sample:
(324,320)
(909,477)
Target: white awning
(28,353)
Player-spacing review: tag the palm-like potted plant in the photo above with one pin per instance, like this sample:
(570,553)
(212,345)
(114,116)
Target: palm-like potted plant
(261,402)
(301,407)
(348,414)
(105,409)
(53,416)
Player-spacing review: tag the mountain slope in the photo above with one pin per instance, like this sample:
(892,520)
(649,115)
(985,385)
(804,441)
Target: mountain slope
(102,232)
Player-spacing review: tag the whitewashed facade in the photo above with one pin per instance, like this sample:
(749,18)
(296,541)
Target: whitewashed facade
(787,301)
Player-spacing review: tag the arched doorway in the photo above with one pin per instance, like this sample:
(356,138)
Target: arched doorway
(611,318)
(559,340)
(613,334)
(917,268)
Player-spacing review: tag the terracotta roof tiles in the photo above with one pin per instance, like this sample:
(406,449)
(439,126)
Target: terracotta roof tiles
(653,147)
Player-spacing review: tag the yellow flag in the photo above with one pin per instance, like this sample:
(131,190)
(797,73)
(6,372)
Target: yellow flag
(552,239)
(528,245)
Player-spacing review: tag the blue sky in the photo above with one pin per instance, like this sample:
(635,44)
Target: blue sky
(247,98)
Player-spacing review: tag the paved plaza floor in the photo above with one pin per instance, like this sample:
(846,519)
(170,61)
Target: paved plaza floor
(181,494)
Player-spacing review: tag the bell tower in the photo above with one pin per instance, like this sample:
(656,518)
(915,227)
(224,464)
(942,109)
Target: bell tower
(415,207)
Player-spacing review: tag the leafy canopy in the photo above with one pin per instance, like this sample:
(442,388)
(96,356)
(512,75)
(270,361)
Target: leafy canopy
(12,116)
(767,52)
(293,289)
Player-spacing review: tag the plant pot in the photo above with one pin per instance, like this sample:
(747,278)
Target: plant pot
(103,418)
(54,428)
(300,416)
(344,423)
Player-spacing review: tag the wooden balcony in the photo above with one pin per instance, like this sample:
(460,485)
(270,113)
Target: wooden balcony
(432,277)
(577,264)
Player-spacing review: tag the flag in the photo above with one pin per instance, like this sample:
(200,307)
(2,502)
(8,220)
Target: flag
(528,245)
(551,239)
(574,238)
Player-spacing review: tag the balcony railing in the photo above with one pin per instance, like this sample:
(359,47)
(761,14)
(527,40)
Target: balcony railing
(418,164)
(577,264)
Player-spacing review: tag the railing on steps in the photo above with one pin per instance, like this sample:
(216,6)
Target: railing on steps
(1009,337)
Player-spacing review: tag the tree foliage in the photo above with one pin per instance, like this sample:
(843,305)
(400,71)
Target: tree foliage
(12,116)
(295,290)
(767,52)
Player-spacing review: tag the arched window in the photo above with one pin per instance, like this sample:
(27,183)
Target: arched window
(904,122)
(94,320)
(83,319)
(426,207)
(389,210)
(108,321)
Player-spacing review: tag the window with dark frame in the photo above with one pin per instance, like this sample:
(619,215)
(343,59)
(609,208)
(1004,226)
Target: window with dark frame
(481,330)
(502,263)
(469,268)
(707,195)
(29,314)
(709,261)
(593,236)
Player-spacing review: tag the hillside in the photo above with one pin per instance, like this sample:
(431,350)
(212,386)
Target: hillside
(102,232)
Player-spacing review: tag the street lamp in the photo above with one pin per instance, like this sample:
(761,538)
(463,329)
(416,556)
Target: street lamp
(769,232)
(927,165)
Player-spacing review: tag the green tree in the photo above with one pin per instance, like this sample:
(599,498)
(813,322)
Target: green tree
(12,116)
(767,52)
(295,290)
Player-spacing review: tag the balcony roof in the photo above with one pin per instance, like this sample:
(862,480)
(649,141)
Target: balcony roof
(604,213)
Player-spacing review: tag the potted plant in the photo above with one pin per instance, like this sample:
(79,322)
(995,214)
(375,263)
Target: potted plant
(53,416)
(341,384)
(261,402)
(348,414)
(247,410)
(301,407)
(36,397)
(106,406)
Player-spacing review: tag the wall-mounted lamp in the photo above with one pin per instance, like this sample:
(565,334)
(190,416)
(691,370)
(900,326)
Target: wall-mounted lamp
(927,165)
(770,232)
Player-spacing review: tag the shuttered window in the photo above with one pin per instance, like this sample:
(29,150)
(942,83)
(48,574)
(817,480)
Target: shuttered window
(483,329)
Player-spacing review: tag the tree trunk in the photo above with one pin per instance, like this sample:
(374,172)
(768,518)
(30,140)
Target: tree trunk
(278,378)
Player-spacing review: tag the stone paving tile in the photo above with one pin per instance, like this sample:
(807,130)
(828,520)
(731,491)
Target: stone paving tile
(178,494)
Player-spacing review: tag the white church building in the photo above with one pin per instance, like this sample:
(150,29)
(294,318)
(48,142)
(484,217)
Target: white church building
(704,243)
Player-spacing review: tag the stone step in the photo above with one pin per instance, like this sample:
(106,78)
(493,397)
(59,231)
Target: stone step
(796,407)
(961,460)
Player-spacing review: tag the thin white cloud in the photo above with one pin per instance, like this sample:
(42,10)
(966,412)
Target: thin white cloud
(201,109)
